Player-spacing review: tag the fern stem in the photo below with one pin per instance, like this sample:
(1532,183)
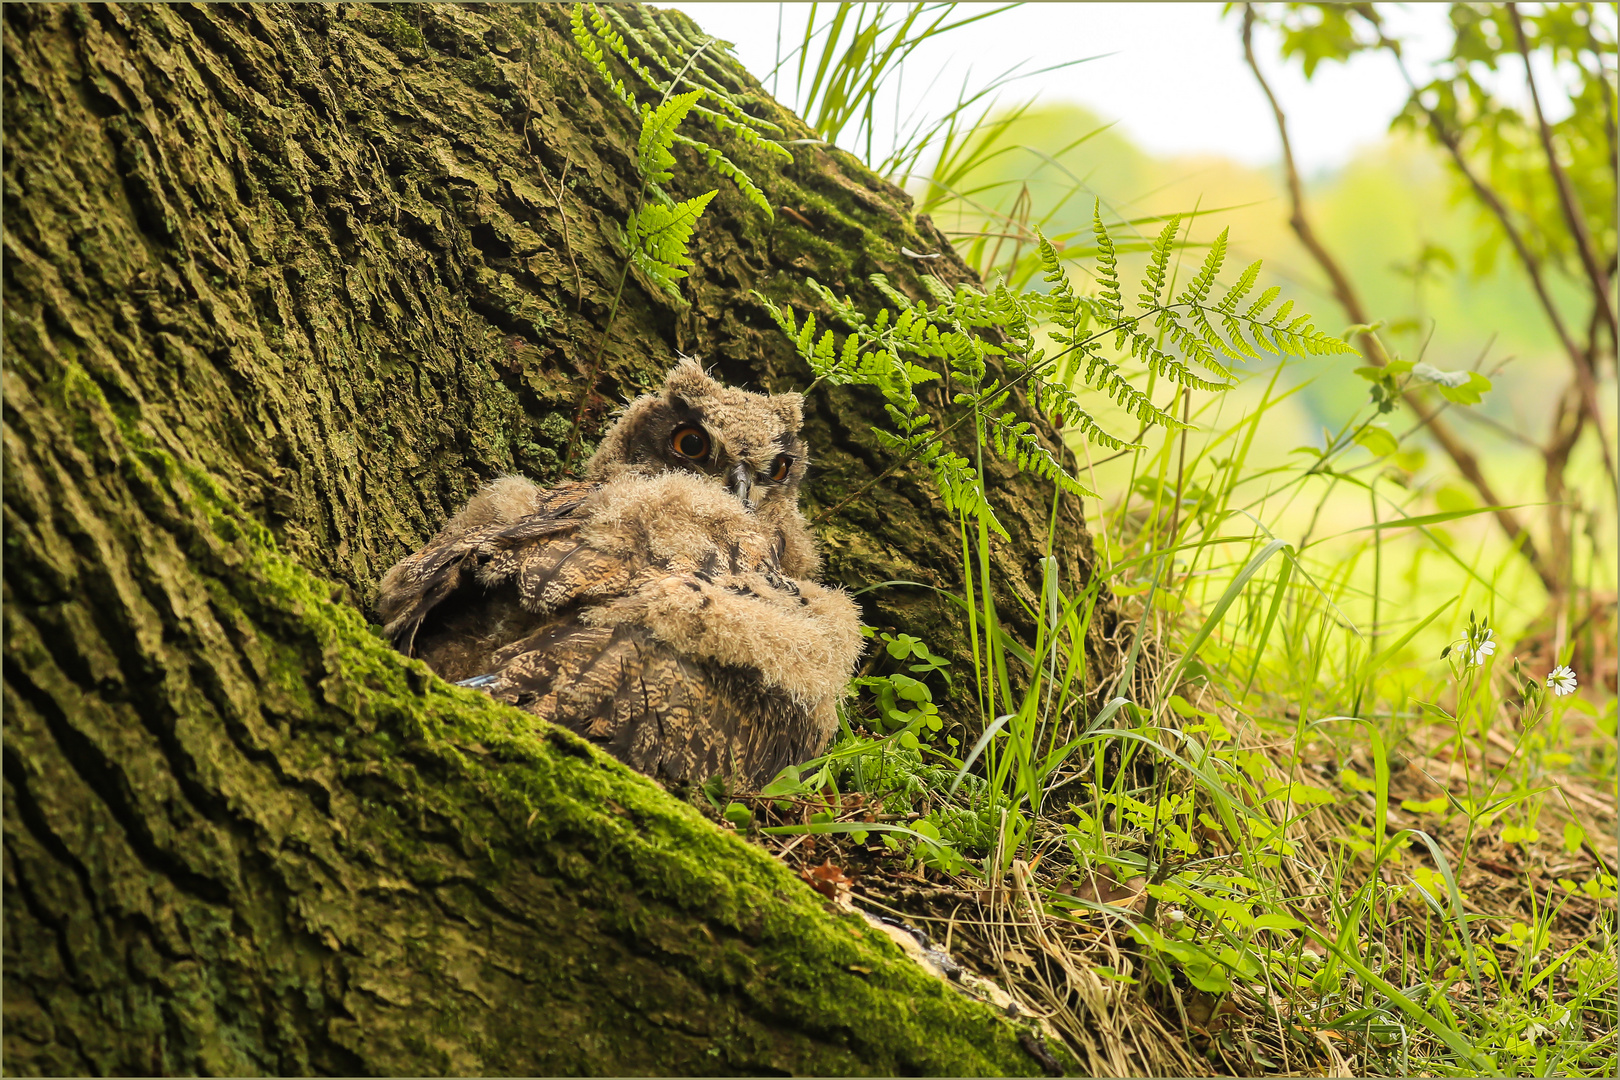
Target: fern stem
(624,276)
(596,365)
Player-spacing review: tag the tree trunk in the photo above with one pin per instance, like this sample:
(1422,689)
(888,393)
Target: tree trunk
(283,286)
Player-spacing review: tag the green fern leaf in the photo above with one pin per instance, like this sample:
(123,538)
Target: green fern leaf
(658,135)
(672,56)
(844,308)
(592,51)
(1159,264)
(614,40)
(657,236)
(1198,290)
(1267,298)
(962,492)
(725,167)
(1239,289)
(1113,304)
(1017,442)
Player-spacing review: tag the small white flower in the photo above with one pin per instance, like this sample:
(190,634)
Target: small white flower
(1483,648)
(1562,680)
(1175,915)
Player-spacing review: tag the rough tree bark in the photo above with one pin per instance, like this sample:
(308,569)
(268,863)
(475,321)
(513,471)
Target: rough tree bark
(283,286)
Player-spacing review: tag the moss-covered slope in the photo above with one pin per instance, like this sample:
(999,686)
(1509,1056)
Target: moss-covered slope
(283,285)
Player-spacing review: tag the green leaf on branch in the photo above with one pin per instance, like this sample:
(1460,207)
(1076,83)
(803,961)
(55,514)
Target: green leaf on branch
(1378,440)
(1462,387)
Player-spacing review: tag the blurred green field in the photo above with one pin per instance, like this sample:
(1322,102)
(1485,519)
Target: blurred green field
(1394,218)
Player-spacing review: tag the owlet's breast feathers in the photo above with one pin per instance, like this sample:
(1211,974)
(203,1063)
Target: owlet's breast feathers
(664,607)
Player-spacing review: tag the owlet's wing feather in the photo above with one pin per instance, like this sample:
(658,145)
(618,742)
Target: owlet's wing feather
(508,515)
(656,610)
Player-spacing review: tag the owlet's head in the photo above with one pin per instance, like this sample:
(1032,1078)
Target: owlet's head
(748,442)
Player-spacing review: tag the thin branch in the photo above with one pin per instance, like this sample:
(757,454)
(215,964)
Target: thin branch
(1344,292)
(1342,289)
(1532,266)
(556,192)
(1500,428)
(624,276)
(1566,193)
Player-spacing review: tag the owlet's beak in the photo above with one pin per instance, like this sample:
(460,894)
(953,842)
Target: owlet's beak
(740,483)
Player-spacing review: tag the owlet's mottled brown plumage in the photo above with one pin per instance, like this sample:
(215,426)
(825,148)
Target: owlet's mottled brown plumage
(664,607)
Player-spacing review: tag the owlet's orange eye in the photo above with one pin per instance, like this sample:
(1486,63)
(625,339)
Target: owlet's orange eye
(690,441)
(780,467)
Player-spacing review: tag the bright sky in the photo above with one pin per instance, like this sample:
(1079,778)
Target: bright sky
(1176,80)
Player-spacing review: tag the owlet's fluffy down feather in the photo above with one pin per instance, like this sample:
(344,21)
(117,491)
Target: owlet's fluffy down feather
(664,607)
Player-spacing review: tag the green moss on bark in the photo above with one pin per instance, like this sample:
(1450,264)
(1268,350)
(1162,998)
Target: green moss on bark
(633,934)
(283,286)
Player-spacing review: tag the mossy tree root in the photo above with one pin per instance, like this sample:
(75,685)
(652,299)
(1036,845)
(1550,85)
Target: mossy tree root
(283,285)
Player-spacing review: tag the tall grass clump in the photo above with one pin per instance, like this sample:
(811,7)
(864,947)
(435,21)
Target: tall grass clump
(1334,796)
(1296,796)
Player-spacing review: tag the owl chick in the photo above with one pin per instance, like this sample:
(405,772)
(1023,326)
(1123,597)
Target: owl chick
(663,607)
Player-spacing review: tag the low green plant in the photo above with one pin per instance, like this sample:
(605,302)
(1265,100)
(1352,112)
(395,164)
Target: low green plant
(963,332)
(1243,769)
(1260,625)
(659,228)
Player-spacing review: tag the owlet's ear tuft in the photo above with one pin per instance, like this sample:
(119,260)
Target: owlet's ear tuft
(790,407)
(686,382)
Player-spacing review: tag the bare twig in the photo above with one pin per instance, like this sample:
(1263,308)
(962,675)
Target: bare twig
(1500,428)
(1578,357)
(1344,292)
(1566,193)
(556,192)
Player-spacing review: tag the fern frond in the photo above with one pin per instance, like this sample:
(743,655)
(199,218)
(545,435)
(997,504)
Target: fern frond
(1065,308)
(744,131)
(1266,299)
(1166,366)
(593,29)
(1112,381)
(1057,398)
(1198,289)
(1192,344)
(614,40)
(782,316)
(962,492)
(900,300)
(1017,442)
(1207,332)
(914,341)
(657,236)
(941,292)
(1234,335)
(845,309)
(1113,304)
(1307,340)
(727,168)
(1239,289)
(658,136)
(1158,264)
(592,51)
(671,56)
